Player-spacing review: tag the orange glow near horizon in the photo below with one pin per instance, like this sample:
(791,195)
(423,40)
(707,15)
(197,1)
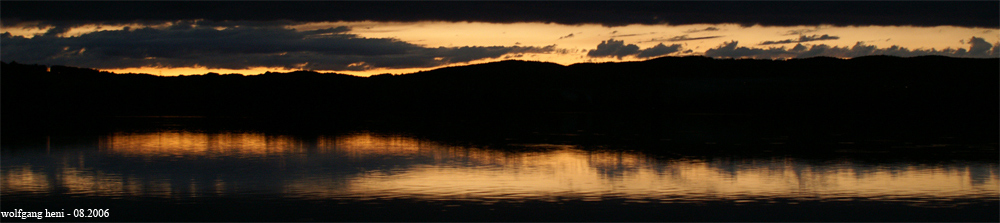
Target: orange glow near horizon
(177,71)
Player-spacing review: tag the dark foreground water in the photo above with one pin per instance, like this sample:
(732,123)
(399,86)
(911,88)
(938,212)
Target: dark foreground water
(562,169)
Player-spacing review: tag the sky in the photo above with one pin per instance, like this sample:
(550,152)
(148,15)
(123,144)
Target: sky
(367,38)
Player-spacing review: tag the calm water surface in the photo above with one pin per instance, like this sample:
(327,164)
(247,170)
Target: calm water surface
(169,166)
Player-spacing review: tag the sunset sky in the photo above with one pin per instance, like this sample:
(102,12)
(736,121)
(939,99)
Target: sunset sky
(366,38)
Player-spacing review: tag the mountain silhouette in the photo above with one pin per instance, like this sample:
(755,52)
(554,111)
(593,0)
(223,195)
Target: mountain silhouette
(935,86)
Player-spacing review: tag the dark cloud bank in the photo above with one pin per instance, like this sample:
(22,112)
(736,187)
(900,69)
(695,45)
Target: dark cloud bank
(185,45)
(779,13)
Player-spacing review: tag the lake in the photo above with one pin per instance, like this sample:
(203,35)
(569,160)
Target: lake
(568,168)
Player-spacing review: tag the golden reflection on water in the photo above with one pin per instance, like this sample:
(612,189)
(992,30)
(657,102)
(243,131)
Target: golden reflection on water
(181,144)
(570,173)
(367,166)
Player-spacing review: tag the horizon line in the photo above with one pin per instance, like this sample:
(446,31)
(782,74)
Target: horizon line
(491,62)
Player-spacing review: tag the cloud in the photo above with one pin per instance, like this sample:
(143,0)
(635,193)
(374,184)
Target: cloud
(978,48)
(681,38)
(612,48)
(618,48)
(801,39)
(800,31)
(730,49)
(567,36)
(633,34)
(702,30)
(995,52)
(810,13)
(232,47)
(686,38)
(659,50)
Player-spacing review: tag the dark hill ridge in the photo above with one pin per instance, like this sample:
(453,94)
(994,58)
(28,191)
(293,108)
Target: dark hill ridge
(867,85)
